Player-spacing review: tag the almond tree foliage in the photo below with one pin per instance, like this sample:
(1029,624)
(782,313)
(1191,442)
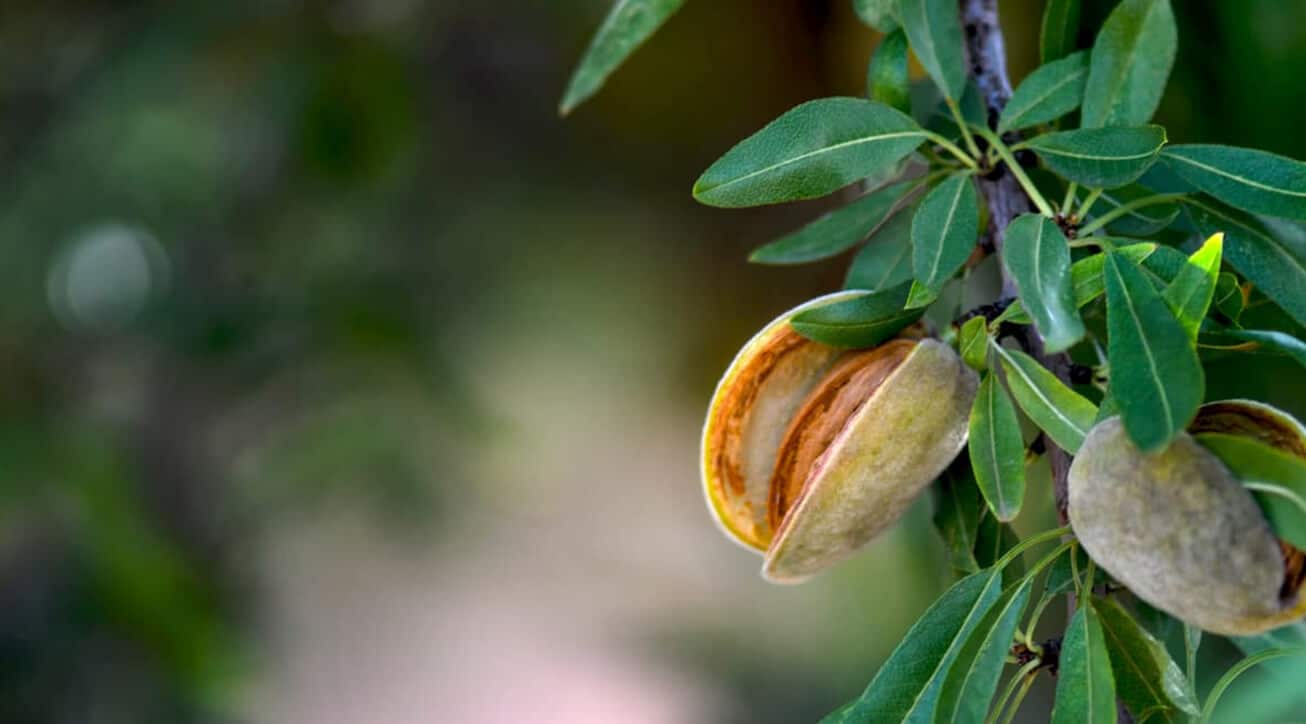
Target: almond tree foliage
(1123,259)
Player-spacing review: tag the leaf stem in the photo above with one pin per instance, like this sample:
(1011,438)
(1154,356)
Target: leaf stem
(1123,209)
(1028,186)
(1192,640)
(1068,203)
(1218,690)
(965,129)
(950,147)
(1028,543)
(1020,674)
(1089,200)
(1030,678)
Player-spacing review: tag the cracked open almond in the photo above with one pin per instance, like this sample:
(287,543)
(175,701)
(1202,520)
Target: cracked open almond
(810,451)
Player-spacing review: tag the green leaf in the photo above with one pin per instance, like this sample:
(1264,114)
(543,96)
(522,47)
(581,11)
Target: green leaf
(1141,221)
(1256,181)
(1100,157)
(1086,690)
(1086,279)
(1277,269)
(906,688)
(973,343)
(1189,295)
(863,321)
(1060,29)
(997,452)
(1036,256)
(993,540)
(973,679)
(886,260)
(1156,378)
(877,13)
(957,517)
(835,232)
(627,26)
(812,150)
(1148,681)
(1065,415)
(944,231)
(934,28)
(1164,265)
(1275,341)
(1061,574)
(886,77)
(1229,297)
(1277,480)
(1047,94)
(1131,63)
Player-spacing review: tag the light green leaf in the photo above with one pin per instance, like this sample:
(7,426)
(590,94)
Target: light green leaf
(1059,30)
(886,77)
(886,260)
(906,688)
(973,343)
(934,28)
(973,679)
(1148,681)
(627,26)
(1189,295)
(1141,221)
(863,321)
(812,150)
(997,452)
(1086,689)
(957,517)
(1277,480)
(1273,266)
(835,232)
(1156,378)
(1255,181)
(1036,256)
(944,231)
(1130,65)
(1065,415)
(1047,94)
(877,13)
(1086,279)
(1100,157)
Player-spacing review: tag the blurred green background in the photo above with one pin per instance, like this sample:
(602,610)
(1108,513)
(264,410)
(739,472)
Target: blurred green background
(343,381)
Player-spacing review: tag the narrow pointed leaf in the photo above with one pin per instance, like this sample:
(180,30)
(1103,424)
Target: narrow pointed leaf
(1147,680)
(957,515)
(944,231)
(1059,30)
(1061,574)
(906,688)
(973,343)
(1276,268)
(1272,340)
(921,296)
(1130,64)
(1036,256)
(1141,221)
(885,261)
(1189,295)
(969,687)
(1065,415)
(934,29)
(1277,480)
(886,77)
(1086,279)
(1100,157)
(1229,297)
(1255,181)
(1047,94)
(877,13)
(1156,378)
(812,150)
(1085,687)
(627,26)
(835,232)
(863,321)
(997,452)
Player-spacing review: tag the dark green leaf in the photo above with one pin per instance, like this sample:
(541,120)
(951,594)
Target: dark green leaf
(1256,181)
(993,540)
(944,231)
(1065,415)
(906,688)
(1189,295)
(863,321)
(973,679)
(1147,680)
(997,452)
(1273,340)
(1036,256)
(1086,279)
(1163,266)
(1047,94)
(957,515)
(1131,63)
(934,28)
(1277,480)
(1060,29)
(973,343)
(877,13)
(835,232)
(1086,690)
(628,25)
(812,150)
(1277,269)
(886,77)
(1141,221)
(1061,574)
(1155,376)
(886,261)
(1229,297)
(1100,157)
